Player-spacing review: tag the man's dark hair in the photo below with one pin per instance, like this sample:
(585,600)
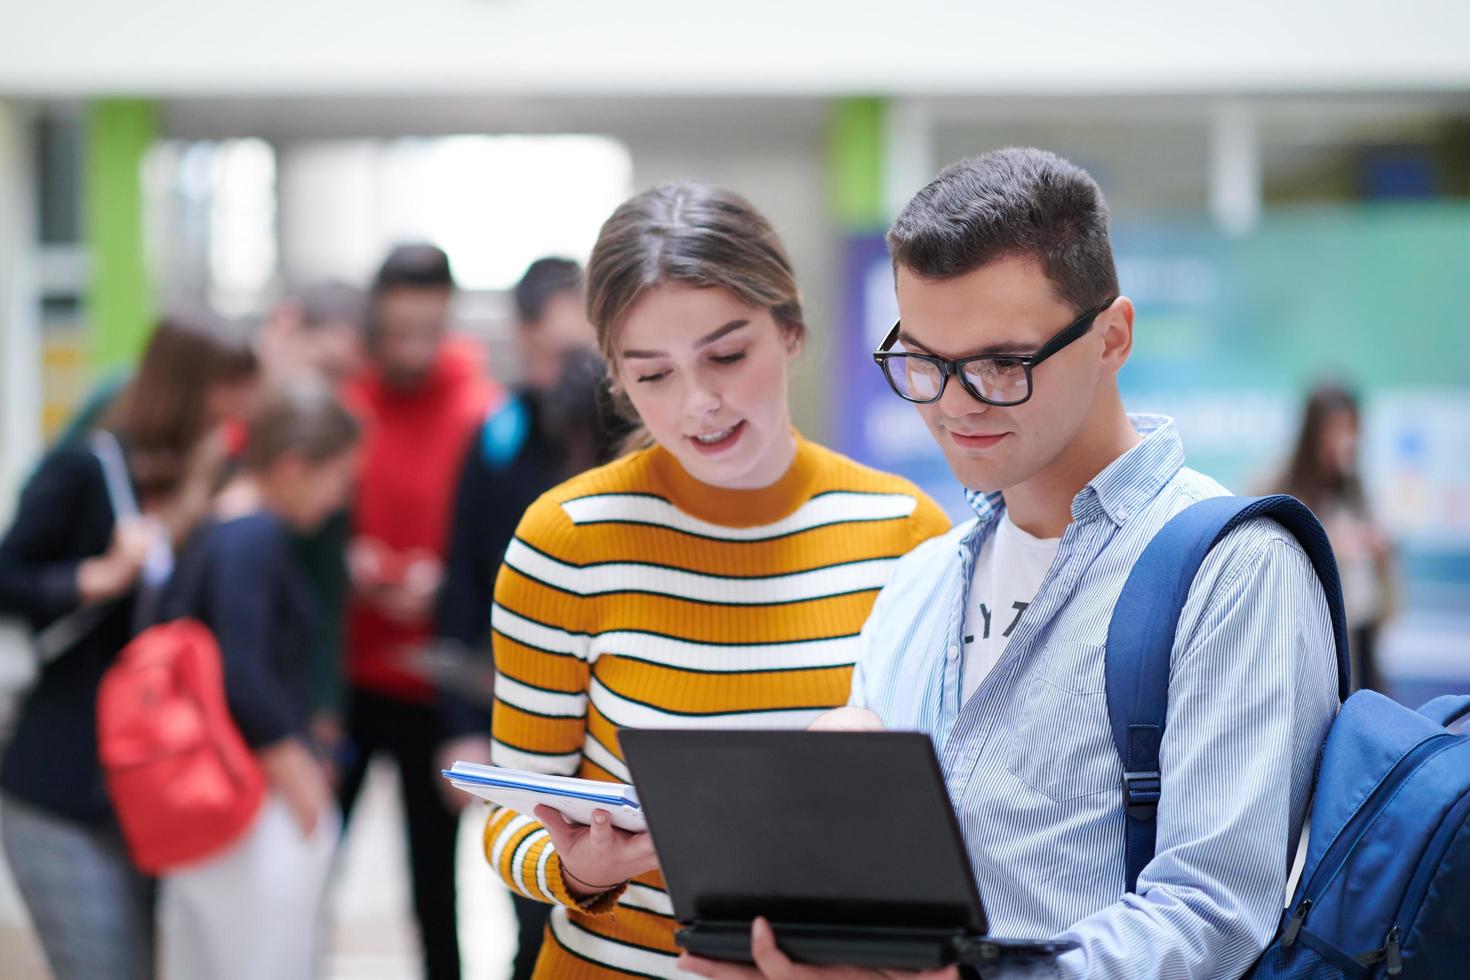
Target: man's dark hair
(544,279)
(1015,202)
(415,266)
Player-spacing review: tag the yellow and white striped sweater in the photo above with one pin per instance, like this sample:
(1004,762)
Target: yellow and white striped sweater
(634,596)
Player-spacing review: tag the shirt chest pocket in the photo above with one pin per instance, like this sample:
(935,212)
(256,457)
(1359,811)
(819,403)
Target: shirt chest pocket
(1062,744)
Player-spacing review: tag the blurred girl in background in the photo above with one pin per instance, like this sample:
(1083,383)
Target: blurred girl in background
(1323,473)
(253,911)
(85,562)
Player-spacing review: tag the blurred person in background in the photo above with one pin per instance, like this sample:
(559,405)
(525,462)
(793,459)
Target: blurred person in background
(318,332)
(717,577)
(422,398)
(518,454)
(253,912)
(1323,473)
(68,554)
(551,319)
(552,429)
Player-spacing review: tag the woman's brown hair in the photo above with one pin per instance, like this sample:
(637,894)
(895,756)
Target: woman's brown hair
(688,234)
(162,414)
(1307,477)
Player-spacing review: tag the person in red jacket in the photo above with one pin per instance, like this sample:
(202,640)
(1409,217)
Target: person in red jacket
(422,399)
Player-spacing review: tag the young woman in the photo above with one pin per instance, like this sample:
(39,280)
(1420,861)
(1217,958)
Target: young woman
(252,911)
(70,558)
(1323,474)
(718,577)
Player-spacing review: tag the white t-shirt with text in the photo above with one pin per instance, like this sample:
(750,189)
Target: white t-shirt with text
(1008,573)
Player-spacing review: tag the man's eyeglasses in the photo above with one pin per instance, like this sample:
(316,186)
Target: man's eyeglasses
(995,379)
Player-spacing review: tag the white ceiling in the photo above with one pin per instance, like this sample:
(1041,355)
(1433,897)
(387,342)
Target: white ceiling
(755,47)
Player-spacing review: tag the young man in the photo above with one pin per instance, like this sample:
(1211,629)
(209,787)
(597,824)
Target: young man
(423,397)
(991,638)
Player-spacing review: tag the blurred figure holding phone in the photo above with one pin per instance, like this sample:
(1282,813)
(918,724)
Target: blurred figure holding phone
(421,400)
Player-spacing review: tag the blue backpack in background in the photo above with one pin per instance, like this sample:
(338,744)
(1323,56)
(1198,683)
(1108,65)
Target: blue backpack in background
(1385,889)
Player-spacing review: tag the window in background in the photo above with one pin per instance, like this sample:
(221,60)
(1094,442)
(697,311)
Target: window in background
(242,225)
(494,203)
(210,222)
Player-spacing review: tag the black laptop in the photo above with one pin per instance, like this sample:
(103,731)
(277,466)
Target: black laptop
(845,841)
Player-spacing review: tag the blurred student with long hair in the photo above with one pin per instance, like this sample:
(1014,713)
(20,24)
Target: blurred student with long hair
(718,577)
(1323,473)
(253,911)
(69,556)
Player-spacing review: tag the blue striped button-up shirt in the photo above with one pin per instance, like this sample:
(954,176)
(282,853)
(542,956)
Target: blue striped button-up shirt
(1029,757)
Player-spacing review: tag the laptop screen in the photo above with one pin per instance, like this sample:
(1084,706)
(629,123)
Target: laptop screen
(851,828)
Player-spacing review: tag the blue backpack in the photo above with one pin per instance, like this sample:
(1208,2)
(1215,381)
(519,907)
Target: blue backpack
(1385,890)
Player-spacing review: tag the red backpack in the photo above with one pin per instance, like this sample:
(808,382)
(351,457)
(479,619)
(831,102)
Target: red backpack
(182,780)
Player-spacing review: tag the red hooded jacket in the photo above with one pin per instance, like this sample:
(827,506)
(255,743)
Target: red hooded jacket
(414,443)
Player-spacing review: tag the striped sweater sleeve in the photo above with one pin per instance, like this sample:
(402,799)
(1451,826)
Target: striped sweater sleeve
(540,714)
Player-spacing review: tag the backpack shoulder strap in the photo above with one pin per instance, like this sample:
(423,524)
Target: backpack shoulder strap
(114,473)
(505,432)
(1447,709)
(184,595)
(66,632)
(1141,638)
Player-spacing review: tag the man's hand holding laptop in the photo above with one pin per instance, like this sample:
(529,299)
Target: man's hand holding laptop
(773,964)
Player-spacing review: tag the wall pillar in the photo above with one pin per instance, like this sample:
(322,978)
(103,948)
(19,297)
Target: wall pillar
(120,296)
(855,161)
(20,345)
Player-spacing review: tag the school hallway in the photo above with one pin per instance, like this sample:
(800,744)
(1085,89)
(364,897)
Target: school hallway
(372,934)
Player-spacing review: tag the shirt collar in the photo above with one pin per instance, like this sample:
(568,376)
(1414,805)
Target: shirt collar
(1124,486)
(987,506)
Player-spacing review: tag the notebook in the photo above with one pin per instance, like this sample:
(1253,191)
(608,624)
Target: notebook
(576,799)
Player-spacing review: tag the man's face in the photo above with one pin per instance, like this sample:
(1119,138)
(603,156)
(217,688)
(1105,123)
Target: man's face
(1007,306)
(411,323)
(563,327)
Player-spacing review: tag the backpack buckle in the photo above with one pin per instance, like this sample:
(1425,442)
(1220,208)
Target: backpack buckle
(1141,794)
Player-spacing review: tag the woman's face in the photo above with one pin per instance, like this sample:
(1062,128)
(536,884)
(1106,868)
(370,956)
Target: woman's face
(226,401)
(707,375)
(1339,445)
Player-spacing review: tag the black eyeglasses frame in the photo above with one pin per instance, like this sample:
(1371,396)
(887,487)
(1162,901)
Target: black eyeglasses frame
(1069,334)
